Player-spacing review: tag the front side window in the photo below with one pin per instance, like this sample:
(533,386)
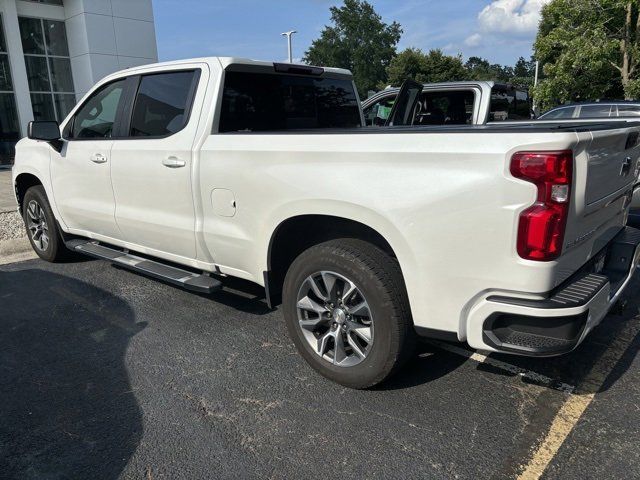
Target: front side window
(560,113)
(595,111)
(46,58)
(377,113)
(254,102)
(96,118)
(162,103)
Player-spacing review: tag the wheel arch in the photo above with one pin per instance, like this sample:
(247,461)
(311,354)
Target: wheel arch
(23,182)
(286,242)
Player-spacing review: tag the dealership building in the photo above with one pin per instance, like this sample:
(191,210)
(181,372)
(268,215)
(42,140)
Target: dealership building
(53,51)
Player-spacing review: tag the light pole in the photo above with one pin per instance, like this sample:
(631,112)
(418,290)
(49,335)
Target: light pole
(288,35)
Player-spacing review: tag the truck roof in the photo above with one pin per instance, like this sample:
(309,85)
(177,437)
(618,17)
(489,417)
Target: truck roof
(228,61)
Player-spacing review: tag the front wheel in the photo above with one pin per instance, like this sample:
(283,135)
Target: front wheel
(41,225)
(347,312)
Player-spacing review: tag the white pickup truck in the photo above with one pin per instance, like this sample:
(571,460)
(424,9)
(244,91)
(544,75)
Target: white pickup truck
(511,238)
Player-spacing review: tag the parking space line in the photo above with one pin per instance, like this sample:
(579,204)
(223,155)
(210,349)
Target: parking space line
(575,405)
(529,375)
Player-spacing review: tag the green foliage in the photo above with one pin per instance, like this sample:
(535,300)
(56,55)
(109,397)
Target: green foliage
(358,40)
(521,74)
(481,69)
(583,46)
(433,66)
(632,90)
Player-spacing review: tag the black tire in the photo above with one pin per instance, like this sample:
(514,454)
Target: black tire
(379,278)
(55,250)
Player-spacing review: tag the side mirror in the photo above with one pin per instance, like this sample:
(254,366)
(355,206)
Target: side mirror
(46,131)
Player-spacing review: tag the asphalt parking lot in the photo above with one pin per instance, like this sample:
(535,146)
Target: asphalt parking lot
(108,374)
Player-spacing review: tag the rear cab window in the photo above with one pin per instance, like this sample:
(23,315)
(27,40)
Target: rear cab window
(258,100)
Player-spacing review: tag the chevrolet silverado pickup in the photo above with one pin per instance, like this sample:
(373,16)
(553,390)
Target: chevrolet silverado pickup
(510,238)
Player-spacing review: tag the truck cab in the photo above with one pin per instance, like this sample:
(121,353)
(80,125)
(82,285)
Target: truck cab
(455,103)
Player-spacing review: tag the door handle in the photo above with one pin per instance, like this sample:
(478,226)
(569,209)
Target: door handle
(98,158)
(173,162)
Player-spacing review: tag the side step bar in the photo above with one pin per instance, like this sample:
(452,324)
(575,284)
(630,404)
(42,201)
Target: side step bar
(200,283)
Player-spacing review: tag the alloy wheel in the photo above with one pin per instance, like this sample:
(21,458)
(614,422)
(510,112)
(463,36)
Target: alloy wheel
(335,318)
(37,225)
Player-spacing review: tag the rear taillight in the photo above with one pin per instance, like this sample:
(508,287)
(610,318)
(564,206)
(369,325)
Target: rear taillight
(541,226)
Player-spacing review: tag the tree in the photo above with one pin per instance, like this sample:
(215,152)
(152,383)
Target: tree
(480,69)
(524,72)
(358,40)
(434,66)
(588,49)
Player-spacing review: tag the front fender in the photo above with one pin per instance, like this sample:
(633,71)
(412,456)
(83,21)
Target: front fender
(34,158)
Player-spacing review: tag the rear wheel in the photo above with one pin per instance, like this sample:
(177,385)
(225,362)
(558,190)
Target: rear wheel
(41,225)
(347,312)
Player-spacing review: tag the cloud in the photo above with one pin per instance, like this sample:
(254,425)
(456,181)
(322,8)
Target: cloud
(511,16)
(473,40)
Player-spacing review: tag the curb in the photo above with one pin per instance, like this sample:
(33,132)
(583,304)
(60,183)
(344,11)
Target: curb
(15,250)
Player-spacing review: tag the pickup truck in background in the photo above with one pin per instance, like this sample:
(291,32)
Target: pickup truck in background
(509,237)
(455,103)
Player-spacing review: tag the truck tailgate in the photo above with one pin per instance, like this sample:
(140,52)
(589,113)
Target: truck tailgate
(605,171)
(611,163)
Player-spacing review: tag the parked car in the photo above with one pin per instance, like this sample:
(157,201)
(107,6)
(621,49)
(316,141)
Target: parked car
(616,109)
(509,237)
(455,103)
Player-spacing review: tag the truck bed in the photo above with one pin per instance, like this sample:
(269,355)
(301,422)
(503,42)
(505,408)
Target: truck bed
(502,127)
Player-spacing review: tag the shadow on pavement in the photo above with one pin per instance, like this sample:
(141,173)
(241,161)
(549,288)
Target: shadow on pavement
(67,409)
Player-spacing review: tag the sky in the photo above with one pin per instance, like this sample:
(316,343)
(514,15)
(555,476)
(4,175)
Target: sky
(498,30)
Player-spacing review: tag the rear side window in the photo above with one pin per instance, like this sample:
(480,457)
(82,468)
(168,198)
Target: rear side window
(445,108)
(162,104)
(629,110)
(595,111)
(96,118)
(254,102)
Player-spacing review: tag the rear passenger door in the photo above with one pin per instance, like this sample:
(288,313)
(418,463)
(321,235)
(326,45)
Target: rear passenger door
(151,167)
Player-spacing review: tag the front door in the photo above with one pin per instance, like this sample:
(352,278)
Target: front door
(151,168)
(81,172)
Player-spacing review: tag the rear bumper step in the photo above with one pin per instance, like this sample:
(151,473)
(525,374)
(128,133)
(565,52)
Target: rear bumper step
(201,283)
(559,322)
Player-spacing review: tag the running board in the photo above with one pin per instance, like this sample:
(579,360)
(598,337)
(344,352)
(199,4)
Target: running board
(201,283)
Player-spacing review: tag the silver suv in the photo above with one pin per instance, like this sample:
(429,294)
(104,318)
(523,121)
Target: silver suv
(593,110)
